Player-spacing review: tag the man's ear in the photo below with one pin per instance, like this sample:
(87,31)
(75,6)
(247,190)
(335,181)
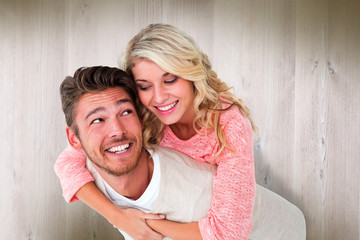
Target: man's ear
(73,139)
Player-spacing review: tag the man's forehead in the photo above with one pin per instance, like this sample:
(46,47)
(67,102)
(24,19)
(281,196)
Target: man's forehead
(102,99)
(108,95)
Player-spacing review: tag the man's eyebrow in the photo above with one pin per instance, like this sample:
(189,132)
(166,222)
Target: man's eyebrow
(123,100)
(96,110)
(102,109)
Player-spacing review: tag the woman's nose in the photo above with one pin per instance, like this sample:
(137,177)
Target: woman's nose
(160,95)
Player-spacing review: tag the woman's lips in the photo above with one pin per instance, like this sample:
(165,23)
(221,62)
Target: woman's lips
(167,109)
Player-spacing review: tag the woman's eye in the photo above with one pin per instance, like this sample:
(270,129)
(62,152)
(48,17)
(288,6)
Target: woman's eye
(172,80)
(142,88)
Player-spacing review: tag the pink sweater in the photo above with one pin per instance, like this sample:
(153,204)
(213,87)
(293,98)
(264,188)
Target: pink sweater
(230,216)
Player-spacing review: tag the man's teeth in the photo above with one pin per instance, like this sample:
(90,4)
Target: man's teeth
(167,107)
(119,149)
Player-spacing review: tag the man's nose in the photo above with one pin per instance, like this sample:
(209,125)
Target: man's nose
(117,128)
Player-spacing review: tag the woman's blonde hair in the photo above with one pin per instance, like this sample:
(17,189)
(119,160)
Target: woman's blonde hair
(175,52)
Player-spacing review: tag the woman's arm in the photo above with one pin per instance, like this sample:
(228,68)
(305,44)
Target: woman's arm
(132,221)
(230,216)
(175,230)
(77,183)
(72,172)
(234,186)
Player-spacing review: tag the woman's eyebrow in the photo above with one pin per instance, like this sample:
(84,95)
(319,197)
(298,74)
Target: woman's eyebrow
(144,80)
(140,80)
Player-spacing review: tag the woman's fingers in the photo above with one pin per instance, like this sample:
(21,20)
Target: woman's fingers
(154,216)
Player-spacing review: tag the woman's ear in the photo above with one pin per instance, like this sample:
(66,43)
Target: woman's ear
(73,139)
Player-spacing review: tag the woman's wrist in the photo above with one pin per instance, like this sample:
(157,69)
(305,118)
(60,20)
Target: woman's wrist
(176,230)
(113,214)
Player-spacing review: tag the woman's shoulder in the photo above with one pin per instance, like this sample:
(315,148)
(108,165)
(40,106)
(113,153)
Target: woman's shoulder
(231,113)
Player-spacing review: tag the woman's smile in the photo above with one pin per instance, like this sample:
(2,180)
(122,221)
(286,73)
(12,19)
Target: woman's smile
(167,109)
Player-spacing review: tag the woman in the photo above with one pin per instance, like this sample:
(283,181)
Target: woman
(190,110)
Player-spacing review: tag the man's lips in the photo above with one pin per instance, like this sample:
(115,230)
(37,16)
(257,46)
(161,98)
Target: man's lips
(119,149)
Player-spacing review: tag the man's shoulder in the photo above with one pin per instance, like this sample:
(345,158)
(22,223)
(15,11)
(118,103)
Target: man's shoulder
(185,188)
(171,154)
(168,156)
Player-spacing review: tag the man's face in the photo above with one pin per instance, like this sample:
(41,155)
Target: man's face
(110,131)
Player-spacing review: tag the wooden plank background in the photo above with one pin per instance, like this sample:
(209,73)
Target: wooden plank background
(294,62)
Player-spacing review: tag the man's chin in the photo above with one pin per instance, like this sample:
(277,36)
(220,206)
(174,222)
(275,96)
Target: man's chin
(117,172)
(112,165)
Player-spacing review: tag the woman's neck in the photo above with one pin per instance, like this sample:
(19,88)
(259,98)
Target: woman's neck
(183,131)
(184,128)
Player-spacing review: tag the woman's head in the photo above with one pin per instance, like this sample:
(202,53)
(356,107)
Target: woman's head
(176,53)
(169,97)
(170,48)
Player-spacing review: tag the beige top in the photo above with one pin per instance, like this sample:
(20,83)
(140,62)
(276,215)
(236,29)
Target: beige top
(185,186)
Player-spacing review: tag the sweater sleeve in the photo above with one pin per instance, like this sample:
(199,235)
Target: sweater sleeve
(230,216)
(71,169)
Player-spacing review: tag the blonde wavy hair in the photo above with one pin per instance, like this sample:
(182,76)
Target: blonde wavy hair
(175,52)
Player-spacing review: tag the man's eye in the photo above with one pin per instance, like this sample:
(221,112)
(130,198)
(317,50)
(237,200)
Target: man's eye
(96,120)
(127,112)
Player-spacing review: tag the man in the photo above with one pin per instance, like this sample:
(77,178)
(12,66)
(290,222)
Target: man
(102,113)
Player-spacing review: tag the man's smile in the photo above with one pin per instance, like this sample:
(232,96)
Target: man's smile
(119,149)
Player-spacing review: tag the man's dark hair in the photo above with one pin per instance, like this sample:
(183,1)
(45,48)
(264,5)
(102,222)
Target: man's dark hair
(93,80)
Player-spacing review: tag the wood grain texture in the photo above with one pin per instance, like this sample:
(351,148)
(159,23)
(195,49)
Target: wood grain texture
(295,63)
(7,68)
(322,137)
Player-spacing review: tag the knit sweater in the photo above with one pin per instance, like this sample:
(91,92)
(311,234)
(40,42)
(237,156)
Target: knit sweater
(230,215)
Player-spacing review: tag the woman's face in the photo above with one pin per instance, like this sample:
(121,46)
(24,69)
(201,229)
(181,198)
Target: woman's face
(168,96)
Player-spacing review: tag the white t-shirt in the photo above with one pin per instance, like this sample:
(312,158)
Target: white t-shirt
(148,198)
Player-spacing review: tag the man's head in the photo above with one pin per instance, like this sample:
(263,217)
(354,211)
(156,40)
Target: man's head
(101,111)
(93,80)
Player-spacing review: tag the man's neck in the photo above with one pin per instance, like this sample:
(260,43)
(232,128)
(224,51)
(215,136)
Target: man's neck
(133,184)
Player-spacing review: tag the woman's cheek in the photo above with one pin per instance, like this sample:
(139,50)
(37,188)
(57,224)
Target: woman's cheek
(144,98)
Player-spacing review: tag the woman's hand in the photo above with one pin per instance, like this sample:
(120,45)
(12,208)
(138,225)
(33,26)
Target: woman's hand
(176,230)
(133,222)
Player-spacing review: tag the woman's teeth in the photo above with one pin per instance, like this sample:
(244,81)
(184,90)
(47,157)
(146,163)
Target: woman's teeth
(119,149)
(168,107)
